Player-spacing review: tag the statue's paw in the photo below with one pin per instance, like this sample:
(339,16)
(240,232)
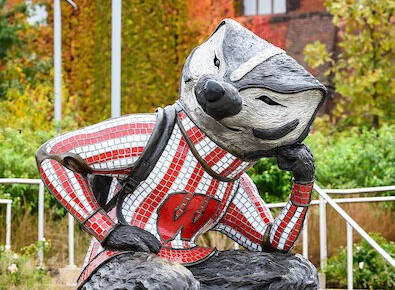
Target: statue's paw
(131,238)
(299,160)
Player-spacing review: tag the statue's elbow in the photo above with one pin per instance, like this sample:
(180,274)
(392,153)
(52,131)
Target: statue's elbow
(41,154)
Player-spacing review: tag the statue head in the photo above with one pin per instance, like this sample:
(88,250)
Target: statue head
(248,95)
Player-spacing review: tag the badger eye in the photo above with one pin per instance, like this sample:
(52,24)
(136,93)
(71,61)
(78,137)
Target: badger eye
(216,62)
(269,101)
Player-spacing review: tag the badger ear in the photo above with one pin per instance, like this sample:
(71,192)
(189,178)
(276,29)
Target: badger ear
(223,22)
(226,22)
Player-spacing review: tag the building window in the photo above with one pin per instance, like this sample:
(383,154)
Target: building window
(261,7)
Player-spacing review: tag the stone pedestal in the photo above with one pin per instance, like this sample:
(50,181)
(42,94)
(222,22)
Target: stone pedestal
(242,270)
(67,277)
(321,281)
(245,270)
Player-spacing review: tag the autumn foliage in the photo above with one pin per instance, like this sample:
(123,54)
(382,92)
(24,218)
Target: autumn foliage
(155,43)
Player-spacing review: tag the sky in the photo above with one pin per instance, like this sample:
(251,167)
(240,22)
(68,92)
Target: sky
(37,13)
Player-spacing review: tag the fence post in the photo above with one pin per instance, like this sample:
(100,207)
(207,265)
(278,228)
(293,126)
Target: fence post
(116,58)
(323,246)
(41,239)
(349,257)
(305,237)
(355,226)
(8,227)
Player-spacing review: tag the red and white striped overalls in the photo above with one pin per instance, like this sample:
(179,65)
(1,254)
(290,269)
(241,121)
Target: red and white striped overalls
(178,201)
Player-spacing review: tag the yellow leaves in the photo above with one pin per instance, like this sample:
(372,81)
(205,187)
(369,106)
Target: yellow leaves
(316,54)
(153,52)
(32,109)
(363,71)
(375,75)
(28,110)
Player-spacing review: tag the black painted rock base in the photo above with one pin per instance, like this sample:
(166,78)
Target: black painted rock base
(141,271)
(244,270)
(240,270)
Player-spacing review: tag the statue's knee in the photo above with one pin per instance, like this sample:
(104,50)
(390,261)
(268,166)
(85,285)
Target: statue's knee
(141,271)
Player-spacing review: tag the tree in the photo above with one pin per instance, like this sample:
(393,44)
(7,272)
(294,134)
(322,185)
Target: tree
(154,48)
(363,70)
(157,37)
(24,50)
(10,25)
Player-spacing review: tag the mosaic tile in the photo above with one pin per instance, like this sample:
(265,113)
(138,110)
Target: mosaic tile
(288,224)
(112,147)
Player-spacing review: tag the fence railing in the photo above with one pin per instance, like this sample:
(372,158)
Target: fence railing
(8,203)
(351,224)
(324,199)
(40,231)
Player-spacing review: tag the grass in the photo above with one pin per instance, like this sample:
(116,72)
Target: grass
(19,271)
(24,230)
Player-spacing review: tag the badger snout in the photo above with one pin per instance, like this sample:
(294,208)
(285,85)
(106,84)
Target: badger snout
(217,98)
(213,91)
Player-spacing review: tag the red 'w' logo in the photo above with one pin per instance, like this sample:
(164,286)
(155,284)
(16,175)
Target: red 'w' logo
(183,212)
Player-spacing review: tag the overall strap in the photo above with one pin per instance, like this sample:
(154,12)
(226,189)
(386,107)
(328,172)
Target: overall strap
(149,157)
(199,158)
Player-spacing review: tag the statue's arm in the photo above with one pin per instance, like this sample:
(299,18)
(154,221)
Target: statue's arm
(247,217)
(248,220)
(282,234)
(108,148)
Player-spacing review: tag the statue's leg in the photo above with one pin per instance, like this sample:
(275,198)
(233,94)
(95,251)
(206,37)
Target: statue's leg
(255,270)
(141,271)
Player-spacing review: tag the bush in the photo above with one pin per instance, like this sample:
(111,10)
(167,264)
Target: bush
(274,184)
(20,271)
(348,159)
(17,150)
(354,158)
(370,270)
(27,123)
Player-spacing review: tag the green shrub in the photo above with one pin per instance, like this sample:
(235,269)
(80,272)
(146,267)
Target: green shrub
(17,149)
(20,271)
(370,270)
(274,184)
(348,159)
(25,124)
(355,158)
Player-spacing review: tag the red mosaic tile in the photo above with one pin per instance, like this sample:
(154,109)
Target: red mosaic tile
(237,221)
(99,225)
(186,256)
(301,194)
(100,136)
(94,264)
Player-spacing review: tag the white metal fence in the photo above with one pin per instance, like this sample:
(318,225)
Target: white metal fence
(40,230)
(40,209)
(352,225)
(323,200)
(8,203)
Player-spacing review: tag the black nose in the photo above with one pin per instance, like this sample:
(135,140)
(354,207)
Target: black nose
(217,98)
(213,91)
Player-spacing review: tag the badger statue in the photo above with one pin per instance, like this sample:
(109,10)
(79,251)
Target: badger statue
(146,186)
